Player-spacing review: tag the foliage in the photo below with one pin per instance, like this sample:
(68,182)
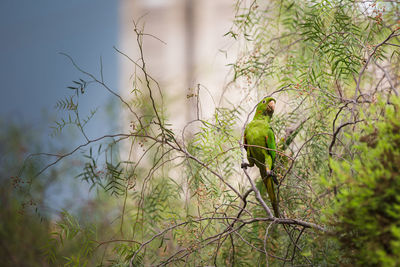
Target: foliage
(69,229)
(23,225)
(330,61)
(366,215)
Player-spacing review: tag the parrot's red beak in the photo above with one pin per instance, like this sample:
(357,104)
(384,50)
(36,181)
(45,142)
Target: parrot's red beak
(271,106)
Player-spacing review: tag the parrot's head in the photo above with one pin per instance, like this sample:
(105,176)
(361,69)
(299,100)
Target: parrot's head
(266,106)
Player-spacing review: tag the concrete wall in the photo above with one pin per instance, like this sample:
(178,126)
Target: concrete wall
(193,32)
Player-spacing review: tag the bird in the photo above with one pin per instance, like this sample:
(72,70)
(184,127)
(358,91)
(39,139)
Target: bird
(259,141)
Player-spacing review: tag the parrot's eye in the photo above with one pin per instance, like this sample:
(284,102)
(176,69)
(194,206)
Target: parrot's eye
(263,101)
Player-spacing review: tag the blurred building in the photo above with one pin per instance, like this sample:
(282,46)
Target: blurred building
(193,51)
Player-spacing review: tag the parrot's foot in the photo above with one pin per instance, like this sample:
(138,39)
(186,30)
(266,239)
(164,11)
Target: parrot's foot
(275,180)
(273,175)
(244,165)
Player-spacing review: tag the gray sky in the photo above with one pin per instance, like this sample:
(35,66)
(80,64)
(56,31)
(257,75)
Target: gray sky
(33,74)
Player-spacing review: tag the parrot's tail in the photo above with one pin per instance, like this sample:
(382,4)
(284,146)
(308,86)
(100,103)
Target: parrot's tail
(269,184)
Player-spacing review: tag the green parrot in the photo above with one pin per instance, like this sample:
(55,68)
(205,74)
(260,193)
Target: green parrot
(258,135)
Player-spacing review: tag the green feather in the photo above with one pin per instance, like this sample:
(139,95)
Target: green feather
(260,145)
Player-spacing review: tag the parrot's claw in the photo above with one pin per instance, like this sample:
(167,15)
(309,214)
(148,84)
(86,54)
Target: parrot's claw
(275,180)
(244,165)
(273,175)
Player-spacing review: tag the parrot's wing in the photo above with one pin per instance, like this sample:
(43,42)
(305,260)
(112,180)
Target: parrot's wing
(270,140)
